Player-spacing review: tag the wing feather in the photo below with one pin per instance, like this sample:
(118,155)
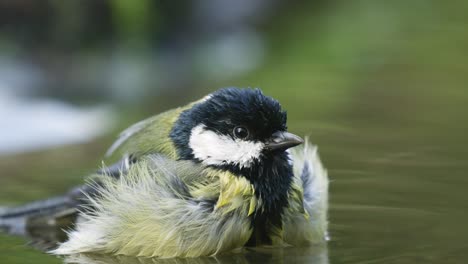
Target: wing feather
(309,223)
(128,133)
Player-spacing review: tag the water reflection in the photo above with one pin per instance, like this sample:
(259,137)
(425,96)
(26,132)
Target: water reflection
(312,255)
(44,233)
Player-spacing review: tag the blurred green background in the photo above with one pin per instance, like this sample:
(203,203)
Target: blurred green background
(380,87)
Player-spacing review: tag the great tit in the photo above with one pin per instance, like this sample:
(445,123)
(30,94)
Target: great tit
(215,175)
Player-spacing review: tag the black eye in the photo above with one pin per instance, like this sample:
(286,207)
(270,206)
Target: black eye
(241,132)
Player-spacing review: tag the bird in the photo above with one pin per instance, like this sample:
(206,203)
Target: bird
(215,175)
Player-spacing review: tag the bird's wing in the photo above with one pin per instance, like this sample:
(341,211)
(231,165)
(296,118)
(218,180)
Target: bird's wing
(315,183)
(125,135)
(309,223)
(149,136)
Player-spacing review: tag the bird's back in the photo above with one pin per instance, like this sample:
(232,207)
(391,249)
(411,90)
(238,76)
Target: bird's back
(149,136)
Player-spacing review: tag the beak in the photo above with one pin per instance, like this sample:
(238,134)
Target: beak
(283,141)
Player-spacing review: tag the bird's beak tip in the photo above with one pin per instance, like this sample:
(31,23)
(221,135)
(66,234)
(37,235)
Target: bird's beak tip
(283,140)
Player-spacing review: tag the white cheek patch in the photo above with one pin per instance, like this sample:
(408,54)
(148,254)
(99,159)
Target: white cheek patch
(215,149)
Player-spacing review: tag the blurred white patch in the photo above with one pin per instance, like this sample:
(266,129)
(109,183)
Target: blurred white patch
(31,124)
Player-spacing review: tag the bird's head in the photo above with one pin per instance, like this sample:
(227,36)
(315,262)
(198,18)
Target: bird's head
(234,129)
